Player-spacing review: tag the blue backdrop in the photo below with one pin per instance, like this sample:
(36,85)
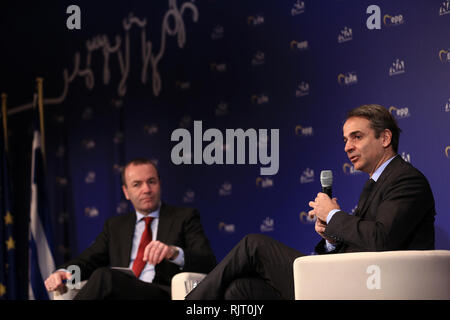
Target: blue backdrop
(136,71)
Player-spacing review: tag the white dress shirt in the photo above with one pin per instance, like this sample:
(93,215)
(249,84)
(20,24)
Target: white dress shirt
(148,273)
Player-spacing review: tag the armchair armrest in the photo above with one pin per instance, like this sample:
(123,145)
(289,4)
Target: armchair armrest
(67,294)
(389,275)
(184,282)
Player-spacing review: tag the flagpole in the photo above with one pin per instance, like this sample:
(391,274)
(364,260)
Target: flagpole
(40,88)
(5,120)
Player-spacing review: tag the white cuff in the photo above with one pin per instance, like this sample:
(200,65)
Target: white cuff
(179,260)
(331,214)
(329,247)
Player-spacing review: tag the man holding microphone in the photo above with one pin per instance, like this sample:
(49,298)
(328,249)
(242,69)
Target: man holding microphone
(395,212)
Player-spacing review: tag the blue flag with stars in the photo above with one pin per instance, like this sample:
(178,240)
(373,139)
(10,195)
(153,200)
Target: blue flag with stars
(8,279)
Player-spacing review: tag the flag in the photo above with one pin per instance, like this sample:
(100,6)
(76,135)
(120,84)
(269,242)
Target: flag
(41,261)
(8,279)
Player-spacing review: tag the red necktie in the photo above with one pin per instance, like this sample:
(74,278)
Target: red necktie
(139,264)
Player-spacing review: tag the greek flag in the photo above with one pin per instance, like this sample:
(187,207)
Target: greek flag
(41,262)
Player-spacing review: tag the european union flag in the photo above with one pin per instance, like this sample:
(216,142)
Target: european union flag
(41,262)
(8,279)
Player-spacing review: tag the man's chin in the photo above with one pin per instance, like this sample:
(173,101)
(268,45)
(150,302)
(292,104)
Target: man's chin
(358,165)
(148,209)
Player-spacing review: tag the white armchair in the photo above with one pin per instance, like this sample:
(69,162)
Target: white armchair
(389,275)
(182,284)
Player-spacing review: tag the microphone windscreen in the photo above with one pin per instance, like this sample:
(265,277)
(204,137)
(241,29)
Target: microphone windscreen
(326,178)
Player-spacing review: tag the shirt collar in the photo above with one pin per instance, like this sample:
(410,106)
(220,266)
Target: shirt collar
(154,214)
(380,169)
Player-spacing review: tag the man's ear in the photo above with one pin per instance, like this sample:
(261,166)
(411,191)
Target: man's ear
(387,137)
(125,192)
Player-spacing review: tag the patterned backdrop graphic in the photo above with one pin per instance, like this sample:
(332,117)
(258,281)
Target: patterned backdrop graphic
(137,71)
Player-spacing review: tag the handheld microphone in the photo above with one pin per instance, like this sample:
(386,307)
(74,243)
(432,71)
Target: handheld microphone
(326,180)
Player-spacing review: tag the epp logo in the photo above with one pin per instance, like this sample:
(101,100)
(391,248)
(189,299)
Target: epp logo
(389,20)
(349,169)
(447,152)
(299,45)
(256,20)
(299,130)
(264,183)
(399,112)
(306,219)
(347,79)
(227,228)
(444,55)
(260,99)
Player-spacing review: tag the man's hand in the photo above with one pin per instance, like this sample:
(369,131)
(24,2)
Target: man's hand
(322,205)
(320,229)
(55,281)
(156,251)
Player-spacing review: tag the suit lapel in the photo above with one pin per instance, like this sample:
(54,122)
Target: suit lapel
(164,224)
(379,184)
(126,234)
(368,188)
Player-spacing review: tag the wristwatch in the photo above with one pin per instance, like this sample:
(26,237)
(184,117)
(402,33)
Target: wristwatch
(175,253)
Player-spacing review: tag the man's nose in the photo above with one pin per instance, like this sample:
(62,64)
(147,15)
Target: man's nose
(348,147)
(146,187)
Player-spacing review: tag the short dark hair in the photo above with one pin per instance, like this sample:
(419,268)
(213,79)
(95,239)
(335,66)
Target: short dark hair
(137,162)
(380,119)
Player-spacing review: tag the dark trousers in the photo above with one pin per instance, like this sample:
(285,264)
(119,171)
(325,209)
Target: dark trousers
(106,283)
(258,267)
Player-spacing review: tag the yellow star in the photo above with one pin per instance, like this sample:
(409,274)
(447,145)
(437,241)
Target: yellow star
(10,244)
(2,290)
(8,218)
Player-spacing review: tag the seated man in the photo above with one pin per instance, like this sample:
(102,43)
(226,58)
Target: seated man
(395,212)
(157,241)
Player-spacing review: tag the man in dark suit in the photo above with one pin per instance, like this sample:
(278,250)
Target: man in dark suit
(156,241)
(395,212)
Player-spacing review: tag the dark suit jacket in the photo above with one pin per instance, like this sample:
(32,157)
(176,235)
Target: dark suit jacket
(397,215)
(177,226)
